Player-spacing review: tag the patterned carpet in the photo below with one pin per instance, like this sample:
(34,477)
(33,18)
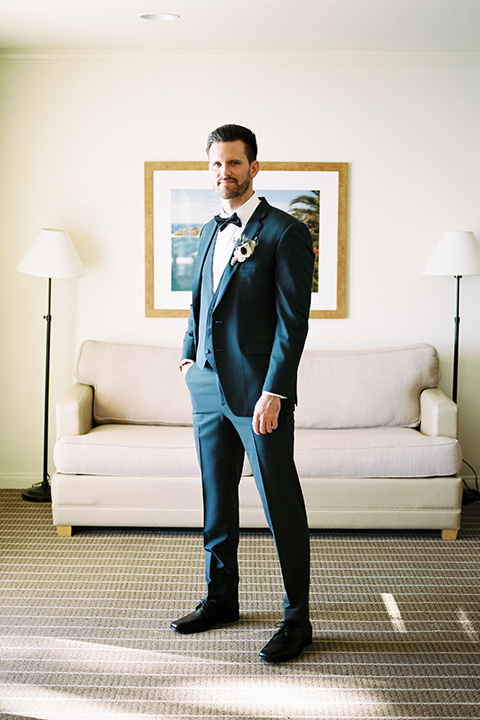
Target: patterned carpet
(85,626)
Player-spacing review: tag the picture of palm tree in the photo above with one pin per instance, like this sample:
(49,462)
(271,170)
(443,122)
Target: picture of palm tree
(306,207)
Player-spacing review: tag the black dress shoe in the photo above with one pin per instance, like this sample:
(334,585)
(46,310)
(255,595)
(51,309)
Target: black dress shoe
(287,643)
(206,616)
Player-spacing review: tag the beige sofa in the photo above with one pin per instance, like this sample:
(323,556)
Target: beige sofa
(375,443)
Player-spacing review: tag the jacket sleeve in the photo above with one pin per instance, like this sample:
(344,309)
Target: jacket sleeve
(188,347)
(293,281)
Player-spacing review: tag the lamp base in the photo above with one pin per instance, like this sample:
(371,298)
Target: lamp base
(38,493)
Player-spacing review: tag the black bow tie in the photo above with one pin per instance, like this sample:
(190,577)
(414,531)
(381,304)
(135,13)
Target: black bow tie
(222,222)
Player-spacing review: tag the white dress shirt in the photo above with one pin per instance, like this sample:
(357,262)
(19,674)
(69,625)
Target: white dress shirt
(224,244)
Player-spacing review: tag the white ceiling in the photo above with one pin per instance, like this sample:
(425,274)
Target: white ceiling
(236,27)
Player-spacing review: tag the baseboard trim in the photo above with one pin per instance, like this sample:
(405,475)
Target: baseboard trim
(13,481)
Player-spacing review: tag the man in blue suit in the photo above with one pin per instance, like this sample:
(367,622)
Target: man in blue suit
(242,347)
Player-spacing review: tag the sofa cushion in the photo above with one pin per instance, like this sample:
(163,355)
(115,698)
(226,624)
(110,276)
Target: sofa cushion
(135,384)
(170,452)
(375,452)
(130,450)
(364,388)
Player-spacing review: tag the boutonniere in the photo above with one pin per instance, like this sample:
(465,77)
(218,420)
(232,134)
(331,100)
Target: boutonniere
(244,248)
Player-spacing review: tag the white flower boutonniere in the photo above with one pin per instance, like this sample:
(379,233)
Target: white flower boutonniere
(244,248)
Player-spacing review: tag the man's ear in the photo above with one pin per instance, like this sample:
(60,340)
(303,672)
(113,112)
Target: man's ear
(255,167)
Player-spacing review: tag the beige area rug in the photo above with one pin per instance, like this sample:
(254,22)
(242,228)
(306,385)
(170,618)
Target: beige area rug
(85,632)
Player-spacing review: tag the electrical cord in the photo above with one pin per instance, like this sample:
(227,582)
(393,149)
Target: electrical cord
(470,495)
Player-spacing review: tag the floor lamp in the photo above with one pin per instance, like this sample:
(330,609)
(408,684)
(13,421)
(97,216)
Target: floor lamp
(51,255)
(457,254)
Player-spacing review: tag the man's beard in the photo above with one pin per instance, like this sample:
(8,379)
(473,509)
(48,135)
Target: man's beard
(234,190)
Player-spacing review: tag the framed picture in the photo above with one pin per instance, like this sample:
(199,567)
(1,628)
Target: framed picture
(179,200)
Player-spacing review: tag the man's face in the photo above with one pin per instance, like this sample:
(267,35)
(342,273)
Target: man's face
(231,172)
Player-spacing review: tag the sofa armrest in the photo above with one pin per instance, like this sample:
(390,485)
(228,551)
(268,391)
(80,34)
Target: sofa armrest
(438,414)
(75,411)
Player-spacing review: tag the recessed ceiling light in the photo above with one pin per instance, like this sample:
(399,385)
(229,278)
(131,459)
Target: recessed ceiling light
(159,16)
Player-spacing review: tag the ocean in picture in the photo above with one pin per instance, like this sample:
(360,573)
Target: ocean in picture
(184,243)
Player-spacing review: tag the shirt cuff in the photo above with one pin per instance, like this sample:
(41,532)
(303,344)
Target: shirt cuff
(267,392)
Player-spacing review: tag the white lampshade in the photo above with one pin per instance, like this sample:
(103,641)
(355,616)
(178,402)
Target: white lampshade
(52,255)
(457,253)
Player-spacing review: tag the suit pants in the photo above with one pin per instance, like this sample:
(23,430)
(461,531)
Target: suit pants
(222,439)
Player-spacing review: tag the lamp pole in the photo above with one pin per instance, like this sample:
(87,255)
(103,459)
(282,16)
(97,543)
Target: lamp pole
(42,492)
(456,342)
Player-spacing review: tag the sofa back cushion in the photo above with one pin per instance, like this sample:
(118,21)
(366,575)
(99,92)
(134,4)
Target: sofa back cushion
(141,384)
(364,388)
(138,384)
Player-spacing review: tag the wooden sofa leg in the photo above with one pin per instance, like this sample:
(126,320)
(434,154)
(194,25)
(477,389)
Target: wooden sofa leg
(449,534)
(64,530)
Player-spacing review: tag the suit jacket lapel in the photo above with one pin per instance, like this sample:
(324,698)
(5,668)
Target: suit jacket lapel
(255,224)
(210,233)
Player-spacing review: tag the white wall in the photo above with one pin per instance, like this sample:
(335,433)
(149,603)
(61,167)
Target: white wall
(74,134)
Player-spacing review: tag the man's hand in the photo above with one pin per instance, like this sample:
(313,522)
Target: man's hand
(265,415)
(185,366)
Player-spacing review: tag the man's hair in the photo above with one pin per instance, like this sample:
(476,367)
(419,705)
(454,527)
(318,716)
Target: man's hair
(231,133)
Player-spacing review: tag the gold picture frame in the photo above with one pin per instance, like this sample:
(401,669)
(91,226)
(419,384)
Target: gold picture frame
(179,200)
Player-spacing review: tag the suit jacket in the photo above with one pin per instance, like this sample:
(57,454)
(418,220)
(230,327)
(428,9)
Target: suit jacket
(259,316)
